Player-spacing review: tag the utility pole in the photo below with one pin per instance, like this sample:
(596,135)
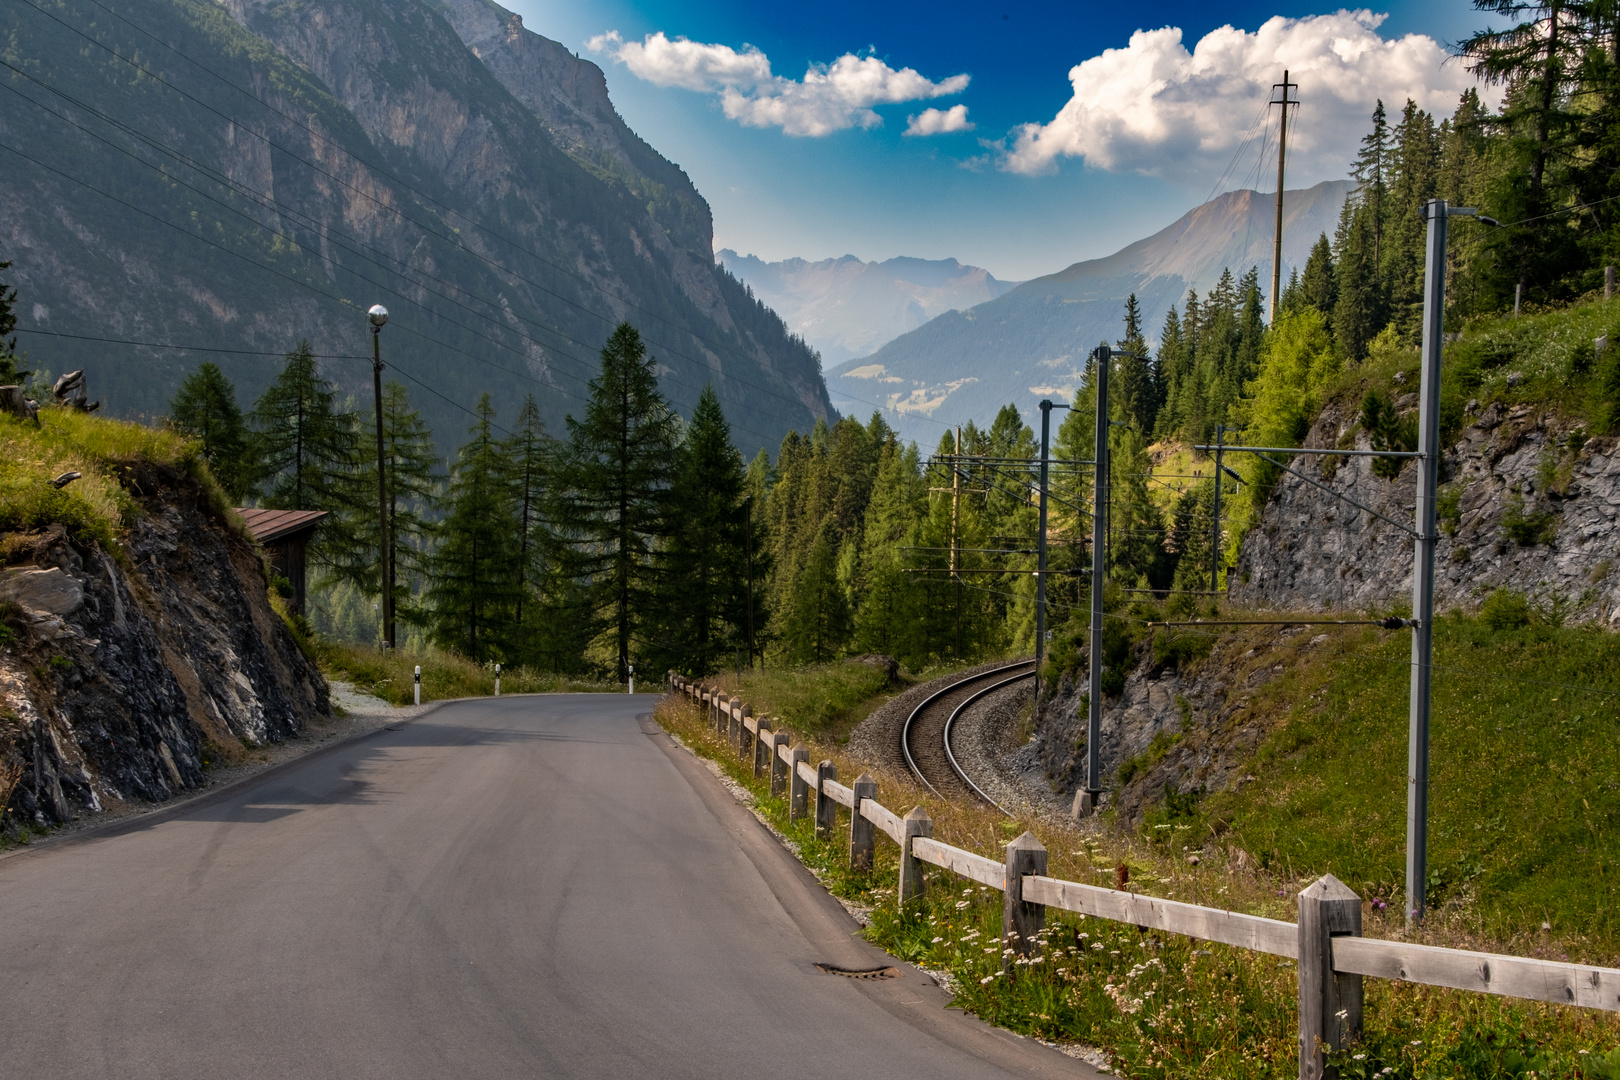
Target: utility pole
(1215,535)
(1102,358)
(956,498)
(1417,779)
(377,316)
(1276,242)
(748,547)
(1040,556)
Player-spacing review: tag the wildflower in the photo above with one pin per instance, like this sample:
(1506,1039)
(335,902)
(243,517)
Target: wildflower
(1098,946)
(988,977)
(1417,1042)
(960,904)
(1342,1013)
(1360,1057)
(936,941)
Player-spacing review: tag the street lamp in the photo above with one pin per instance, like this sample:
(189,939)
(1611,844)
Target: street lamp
(378,316)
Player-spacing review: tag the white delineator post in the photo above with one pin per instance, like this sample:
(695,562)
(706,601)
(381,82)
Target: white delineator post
(632,687)
(419,684)
(497,680)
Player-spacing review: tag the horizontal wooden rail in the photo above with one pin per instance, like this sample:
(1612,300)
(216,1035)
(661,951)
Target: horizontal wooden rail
(1486,973)
(785,752)
(973,867)
(840,794)
(1207,924)
(807,774)
(883,818)
(751,725)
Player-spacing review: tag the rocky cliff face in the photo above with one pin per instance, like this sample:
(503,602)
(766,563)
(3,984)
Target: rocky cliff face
(1527,504)
(126,677)
(282,166)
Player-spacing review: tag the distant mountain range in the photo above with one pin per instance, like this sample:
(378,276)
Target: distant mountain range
(1031,343)
(845,308)
(237,176)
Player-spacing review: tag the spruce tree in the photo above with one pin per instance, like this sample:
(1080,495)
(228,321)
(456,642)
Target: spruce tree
(412,497)
(1318,287)
(204,408)
(1134,370)
(8,331)
(530,454)
(819,624)
(473,571)
(703,570)
(613,492)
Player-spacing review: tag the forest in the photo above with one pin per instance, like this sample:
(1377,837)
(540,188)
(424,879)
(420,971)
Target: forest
(638,537)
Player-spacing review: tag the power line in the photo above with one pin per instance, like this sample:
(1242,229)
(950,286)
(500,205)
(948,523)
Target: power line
(186,348)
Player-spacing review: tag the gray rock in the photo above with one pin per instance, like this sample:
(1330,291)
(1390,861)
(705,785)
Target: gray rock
(43,590)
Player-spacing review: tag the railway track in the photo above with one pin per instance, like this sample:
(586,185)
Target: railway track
(926,736)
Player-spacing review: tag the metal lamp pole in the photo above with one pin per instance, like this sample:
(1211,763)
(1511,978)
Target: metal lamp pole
(1040,557)
(378,316)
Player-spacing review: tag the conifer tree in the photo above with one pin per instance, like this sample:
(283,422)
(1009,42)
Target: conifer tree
(1318,288)
(703,570)
(307,452)
(8,331)
(613,491)
(412,497)
(472,594)
(1135,372)
(529,455)
(820,613)
(204,408)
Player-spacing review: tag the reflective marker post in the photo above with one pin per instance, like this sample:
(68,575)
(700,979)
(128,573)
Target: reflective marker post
(497,680)
(632,687)
(419,684)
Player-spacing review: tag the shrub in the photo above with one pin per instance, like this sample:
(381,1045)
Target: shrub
(1505,609)
(1524,527)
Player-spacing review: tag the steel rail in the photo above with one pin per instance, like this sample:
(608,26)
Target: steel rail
(905,730)
(951,756)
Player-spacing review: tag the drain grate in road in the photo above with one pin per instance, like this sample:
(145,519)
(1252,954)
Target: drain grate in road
(860,973)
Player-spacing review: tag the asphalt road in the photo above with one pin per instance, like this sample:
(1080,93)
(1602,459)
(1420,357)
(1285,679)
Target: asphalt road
(515,887)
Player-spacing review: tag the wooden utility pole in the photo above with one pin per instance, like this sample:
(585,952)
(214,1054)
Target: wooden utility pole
(1282,157)
(956,499)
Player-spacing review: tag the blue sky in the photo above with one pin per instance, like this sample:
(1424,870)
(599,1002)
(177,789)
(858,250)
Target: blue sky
(1151,134)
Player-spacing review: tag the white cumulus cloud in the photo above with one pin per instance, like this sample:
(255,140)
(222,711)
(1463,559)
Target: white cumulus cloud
(1154,107)
(939,121)
(830,97)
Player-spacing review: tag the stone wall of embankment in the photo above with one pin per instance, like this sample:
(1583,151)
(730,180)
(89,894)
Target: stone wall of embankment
(127,673)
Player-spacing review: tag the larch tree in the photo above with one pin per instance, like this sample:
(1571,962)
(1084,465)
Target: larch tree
(204,408)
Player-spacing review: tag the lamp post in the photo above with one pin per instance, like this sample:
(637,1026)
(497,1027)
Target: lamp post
(378,316)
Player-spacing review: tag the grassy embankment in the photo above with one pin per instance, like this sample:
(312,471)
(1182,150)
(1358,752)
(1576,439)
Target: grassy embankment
(1327,798)
(444,675)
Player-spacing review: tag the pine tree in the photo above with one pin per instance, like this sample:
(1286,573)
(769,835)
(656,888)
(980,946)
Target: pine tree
(471,593)
(529,454)
(613,491)
(1370,173)
(204,408)
(308,453)
(1318,287)
(889,619)
(703,570)
(820,613)
(1358,313)
(1135,387)
(411,489)
(8,331)
(1167,371)
(1413,179)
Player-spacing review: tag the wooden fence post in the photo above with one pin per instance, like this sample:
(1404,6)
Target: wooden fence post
(724,721)
(779,768)
(862,833)
(917,823)
(1329,1001)
(760,745)
(737,733)
(1020,922)
(798,790)
(826,809)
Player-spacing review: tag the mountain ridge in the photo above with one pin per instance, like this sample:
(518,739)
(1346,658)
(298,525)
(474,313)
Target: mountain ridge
(846,307)
(1032,341)
(327,156)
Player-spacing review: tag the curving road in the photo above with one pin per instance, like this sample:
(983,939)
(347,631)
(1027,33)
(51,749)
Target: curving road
(515,887)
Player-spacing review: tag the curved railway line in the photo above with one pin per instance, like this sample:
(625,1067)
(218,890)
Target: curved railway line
(926,737)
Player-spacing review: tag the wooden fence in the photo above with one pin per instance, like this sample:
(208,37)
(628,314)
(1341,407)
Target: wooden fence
(1326,942)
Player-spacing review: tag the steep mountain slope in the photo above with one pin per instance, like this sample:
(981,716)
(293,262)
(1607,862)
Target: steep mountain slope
(847,308)
(1032,342)
(242,176)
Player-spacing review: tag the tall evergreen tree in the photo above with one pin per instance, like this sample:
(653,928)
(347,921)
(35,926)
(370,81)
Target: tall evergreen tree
(472,594)
(204,408)
(411,491)
(613,491)
(8,331)
(1371,173)
(1318,287)
(529,455)
(1135,386)
(704,571)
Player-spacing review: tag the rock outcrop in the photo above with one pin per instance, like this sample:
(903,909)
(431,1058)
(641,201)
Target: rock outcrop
(128,673)
(1527,504)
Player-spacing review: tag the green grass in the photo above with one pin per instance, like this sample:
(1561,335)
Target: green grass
(390,675)
(1162,1006)
(109,453)
(1524,798)
(823,700)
